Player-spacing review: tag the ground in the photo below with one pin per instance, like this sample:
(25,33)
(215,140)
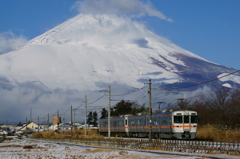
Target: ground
(27,149)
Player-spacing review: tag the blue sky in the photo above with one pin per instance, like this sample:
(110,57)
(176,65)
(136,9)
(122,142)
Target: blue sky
(208,28)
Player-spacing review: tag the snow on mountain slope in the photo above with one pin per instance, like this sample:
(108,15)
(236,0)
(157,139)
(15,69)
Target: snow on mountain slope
(86,54)
(230,78)
(92,48)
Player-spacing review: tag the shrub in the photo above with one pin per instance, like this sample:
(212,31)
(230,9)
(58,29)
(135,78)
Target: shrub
(212,133)
(77,133)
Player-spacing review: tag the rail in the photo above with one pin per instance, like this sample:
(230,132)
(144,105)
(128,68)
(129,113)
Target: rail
(166,145)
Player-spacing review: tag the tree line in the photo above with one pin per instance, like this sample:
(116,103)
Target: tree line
(220,107)
(121,108)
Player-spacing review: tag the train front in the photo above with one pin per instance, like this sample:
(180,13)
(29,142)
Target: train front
(184,124)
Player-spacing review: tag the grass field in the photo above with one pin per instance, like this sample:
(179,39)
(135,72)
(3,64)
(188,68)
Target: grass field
(207,132)
(77,133)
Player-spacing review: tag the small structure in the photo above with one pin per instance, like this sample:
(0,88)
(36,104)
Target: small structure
(3,133)
(4,130)
(29,128)
(88,127)
(66,127)
(56,120)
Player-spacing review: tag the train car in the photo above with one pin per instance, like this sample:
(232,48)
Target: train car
(181,124)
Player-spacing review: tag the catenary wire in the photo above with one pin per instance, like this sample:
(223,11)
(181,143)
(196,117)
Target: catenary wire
(96,100)
(198,83)
(129,92)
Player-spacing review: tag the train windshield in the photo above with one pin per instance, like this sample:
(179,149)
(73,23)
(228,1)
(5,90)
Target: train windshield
(186,119)
(194,119)
(177,119)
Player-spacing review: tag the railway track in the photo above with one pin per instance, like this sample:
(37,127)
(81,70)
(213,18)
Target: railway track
(156,152)
(169,147)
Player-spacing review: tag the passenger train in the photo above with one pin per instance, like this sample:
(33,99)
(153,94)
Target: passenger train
(181,124)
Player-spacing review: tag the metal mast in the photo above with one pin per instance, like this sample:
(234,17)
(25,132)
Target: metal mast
(109,111)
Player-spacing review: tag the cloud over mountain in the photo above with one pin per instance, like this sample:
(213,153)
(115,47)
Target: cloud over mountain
(9,41)
(86,54)
(135,8)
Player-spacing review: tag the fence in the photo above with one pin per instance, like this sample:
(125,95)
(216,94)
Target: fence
(167,145)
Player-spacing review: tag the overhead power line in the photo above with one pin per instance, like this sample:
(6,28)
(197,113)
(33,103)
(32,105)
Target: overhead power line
(65,111)
(79,106)
(97,99)
(198,83)
(128,93)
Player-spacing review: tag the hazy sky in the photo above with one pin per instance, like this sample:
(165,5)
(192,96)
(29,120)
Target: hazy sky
(208,28)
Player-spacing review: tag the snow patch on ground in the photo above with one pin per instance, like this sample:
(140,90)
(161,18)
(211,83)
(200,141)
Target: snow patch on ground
(14,149)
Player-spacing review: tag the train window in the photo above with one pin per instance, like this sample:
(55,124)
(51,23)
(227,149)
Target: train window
(120,123)
(164,120)
(144,122)
(147,121)
(155,121)
(139,122)
(104,124)
(193,119)
(126,122)
(186,119)
(114,123)
(177,119)
(132,122)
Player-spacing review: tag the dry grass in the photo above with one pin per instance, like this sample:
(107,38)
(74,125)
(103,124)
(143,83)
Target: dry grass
(77,133)
(97,150)
(209,132)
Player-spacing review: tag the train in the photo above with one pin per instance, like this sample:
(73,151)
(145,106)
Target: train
(179,124)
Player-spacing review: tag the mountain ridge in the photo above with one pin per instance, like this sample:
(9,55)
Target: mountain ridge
(138,42)
(87,53)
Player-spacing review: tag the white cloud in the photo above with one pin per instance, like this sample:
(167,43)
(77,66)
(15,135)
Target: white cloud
(134,7)
(9,41)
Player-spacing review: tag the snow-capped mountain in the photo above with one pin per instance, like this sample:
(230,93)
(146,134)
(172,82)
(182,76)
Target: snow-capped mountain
(89,52)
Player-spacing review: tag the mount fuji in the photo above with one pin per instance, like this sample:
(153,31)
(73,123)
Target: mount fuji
(89,52)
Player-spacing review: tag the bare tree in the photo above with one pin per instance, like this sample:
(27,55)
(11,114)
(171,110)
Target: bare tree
(183,103)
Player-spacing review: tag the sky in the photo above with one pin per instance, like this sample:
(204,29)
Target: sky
(208,28)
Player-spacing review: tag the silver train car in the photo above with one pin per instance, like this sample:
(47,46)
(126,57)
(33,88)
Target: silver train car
(181,124)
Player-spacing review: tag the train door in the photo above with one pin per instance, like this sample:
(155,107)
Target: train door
(186,122)
(170,123)
(126,125)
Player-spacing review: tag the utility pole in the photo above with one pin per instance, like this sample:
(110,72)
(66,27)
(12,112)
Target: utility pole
(109,111)
(181,104)
(85,115)
(44,124)
(48,121)
(74,115)
(58,118)
(31,114)
(71,121)
(150,109)
(38,123)
(26,127)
